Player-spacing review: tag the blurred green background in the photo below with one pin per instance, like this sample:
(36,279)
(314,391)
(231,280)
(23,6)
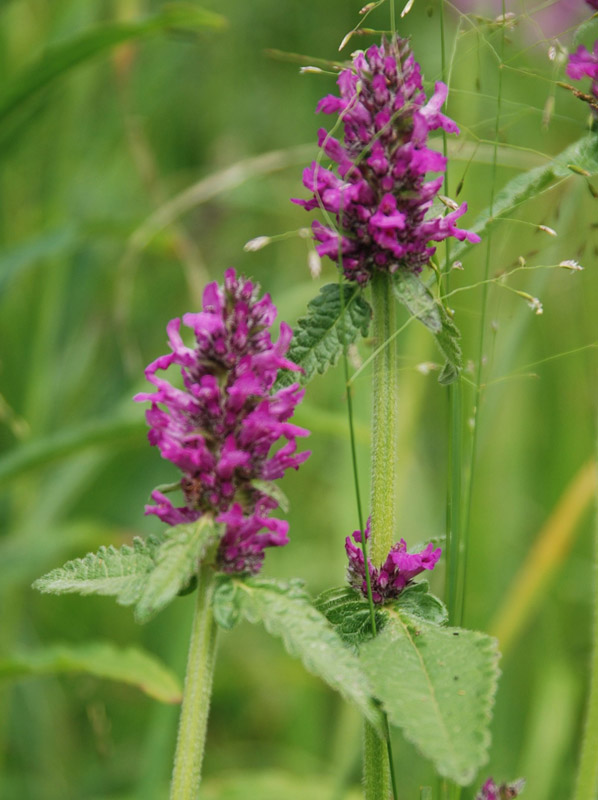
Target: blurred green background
(96,259)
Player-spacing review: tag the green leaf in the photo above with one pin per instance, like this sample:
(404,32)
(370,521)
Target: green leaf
(114,431)
(330,323)
(349,612)
(24,554)
(272,490)
(60,58)
(582,154)
(226,602)
(437,685)
(176,562)
(410,290)
(52,243)
(416,602)
(286,611)
(101,659)
(120,573)
(586,33)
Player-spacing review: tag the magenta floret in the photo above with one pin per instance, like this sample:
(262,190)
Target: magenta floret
(398,570)
(506,791)
(583,63)
(378,194)
(220,428)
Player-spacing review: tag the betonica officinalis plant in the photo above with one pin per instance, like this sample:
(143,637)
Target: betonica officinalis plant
(398,242)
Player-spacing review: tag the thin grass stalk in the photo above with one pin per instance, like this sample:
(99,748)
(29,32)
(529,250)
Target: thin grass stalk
(482,335)
(453,496)
(455,432)
(587,777)
(193,722)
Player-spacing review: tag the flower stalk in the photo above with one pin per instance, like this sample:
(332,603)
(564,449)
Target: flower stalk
(193,722)
(385,421)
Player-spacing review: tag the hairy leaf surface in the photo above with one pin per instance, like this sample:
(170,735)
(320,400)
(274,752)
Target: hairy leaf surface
(101,659)
(176,560)
(436,684)
(411,291)
(286,611)
(119,572)
(349,611)
(332,320)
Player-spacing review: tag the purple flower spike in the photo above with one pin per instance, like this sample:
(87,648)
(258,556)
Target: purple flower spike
(506,791)
(378,196)
(220,427)
(582,63)
(399,569)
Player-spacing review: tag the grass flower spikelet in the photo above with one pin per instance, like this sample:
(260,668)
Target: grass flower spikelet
(219,428)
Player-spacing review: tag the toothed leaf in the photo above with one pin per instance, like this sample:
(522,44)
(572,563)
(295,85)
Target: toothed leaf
(118,572)
(332,320)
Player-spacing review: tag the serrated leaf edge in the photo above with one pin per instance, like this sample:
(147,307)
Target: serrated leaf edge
(493,672)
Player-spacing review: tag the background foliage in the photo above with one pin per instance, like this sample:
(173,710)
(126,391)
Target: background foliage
(96,259)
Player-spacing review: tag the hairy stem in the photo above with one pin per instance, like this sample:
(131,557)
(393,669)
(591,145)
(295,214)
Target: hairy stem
(378,754)
(196,699)
(385,420)
(587,776)
(376,774)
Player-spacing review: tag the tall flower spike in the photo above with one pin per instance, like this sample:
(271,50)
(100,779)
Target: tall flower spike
(377,199)
(219,429)
(399,569)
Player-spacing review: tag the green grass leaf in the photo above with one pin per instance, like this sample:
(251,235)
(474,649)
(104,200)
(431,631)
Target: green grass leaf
(115,431)
(101,659)
(176,563)
(583,154)
(319,337)
(60,58)
(437,685)
(411,291)
(121,573)
(287,612)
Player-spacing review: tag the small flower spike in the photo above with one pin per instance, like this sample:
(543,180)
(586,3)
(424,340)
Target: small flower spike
(399,569)
(376,201)
(506,791)
(220,427)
